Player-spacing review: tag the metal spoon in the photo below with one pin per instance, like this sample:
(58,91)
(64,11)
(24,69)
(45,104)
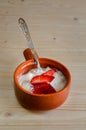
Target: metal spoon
(25,30)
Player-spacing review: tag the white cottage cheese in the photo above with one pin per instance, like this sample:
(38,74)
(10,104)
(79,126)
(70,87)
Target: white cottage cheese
(57,83)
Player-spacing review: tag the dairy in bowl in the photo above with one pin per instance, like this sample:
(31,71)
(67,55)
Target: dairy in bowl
(46,80)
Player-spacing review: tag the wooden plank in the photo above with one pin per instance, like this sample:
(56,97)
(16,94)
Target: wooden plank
(58,31)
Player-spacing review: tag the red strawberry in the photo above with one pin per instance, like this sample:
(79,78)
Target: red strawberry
(40,88)
(51,90)
(42,78)
(43,88)
(49,72)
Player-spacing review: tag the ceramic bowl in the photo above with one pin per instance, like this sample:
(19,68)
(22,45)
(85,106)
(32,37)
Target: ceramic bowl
(40,101)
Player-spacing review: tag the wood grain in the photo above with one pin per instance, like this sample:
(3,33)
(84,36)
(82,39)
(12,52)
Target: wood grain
(58,30)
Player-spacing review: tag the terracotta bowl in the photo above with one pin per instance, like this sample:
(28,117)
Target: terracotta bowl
(40,101)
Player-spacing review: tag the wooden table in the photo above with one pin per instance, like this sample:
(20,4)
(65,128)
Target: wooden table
(58,30)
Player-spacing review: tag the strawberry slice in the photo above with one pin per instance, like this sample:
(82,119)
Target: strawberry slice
(51,90)
(41,78)
(49,72)
(40,88)
(43,88)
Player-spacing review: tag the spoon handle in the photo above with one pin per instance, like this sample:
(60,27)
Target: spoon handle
(25,30)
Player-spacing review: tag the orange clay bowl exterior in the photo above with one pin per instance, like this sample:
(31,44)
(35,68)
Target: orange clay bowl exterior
(40,101)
